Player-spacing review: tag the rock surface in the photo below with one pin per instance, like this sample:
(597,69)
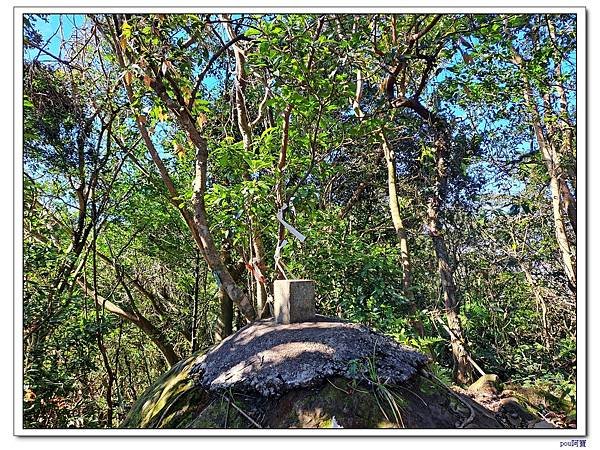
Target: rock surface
(304,375)
(269,358)
(486,384)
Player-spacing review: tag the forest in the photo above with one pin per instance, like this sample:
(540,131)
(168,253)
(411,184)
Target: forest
(421,168)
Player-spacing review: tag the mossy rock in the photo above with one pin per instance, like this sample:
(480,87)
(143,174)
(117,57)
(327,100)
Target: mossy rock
(418,404)
(169,400)
(310,375)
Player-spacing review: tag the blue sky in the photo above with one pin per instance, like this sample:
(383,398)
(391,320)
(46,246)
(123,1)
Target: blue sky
(53,28)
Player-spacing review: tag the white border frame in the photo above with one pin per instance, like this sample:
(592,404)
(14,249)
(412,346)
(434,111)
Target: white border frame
(582,361)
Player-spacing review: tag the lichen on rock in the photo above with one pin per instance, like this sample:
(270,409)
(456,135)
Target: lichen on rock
(270,358)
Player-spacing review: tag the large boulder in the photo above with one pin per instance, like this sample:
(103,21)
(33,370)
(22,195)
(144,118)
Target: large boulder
(319,374)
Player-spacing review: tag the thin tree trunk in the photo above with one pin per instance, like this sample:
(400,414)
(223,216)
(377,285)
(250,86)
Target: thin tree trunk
(118,377)
(211,254)
(225,322)
(463,369)
(155,299)
(245,128)
(565,123)
(130,382)
(280,195)
(535,289)
(195,305)
(539,298)
(155,334)
(560,231)
(550,158)
(354,199)
(156,159)
(220,272)
(400,232)
(224,326)
(99,319)
(159,340)
(569,204)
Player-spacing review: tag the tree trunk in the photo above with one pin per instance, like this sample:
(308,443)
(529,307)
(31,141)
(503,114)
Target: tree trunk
(569,204)
(566,125)
(194,327)
(259,260)
(539,299)
(200,230)
(211,255)
(219,271)
(224,326)
(280,195)
(259,263)
(99,319)
(550,158)
(157,337)
(560,231)
(555,172)
(462,367)
(225,323)
(400,232)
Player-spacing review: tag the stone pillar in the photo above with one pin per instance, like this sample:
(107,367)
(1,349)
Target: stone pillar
(294,301)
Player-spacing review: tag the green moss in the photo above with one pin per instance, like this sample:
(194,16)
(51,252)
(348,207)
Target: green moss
(182,412)
(155,404)
(353,407)
(221,414)
(328,423)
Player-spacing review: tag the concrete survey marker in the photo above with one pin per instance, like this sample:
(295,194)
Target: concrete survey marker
(294,301)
